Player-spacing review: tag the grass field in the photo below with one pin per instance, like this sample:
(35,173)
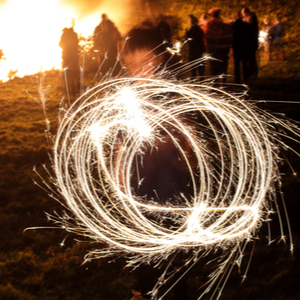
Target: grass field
(35,265)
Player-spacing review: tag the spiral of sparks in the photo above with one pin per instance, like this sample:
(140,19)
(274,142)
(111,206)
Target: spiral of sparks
(222,143)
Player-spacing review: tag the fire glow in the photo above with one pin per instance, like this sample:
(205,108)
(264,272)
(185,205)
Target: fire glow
(31,30)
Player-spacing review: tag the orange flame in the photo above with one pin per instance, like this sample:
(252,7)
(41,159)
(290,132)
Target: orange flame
(31,30)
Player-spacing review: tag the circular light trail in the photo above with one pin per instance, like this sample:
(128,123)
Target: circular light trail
(222,145)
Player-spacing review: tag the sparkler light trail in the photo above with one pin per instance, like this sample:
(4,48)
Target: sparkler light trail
(224,146)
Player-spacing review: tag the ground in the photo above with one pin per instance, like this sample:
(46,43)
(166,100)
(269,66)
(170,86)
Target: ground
(46,262)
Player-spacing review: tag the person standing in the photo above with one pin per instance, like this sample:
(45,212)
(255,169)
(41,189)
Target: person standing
(195,37)
(250,18)
(163,168)
(218,38)
(276,34)
(240,44)
(70,61)
(98,38)
(106,38)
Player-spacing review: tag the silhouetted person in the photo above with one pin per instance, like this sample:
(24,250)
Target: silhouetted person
(143,51)
(106,38)
(218,37)
(195,37)
(99,46)
(252,37)
(276,34)
(240,45)
(163,176)
(70,61)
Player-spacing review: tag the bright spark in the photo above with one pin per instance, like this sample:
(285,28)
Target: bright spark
(231,166)
(176,49)
(226,147)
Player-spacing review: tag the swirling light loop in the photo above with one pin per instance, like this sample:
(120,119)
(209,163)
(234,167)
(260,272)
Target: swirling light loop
(221,142)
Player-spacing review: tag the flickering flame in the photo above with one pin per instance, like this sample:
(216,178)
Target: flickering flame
(31,30)
(30,35)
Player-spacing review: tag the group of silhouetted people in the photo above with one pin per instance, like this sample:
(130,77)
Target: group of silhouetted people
(107,42)
(216,38)
(105,46)
(213,36)
(210,35)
